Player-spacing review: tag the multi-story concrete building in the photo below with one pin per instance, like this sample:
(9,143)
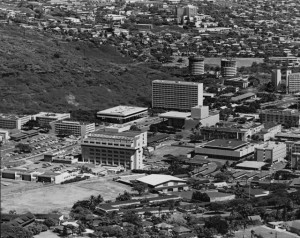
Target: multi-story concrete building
(226,149)
(228,67)
(293,83)
(13,121)
(271,152)
(276,77)
(122,114)
(115,149)
(289,61)
(72,127)
(236,132)
(196,65)
(44,118)
(176,95)
(287,117)
(237,82)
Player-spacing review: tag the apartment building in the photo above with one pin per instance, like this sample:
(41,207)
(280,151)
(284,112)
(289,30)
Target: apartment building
(44,118)
(284,117)
(72,127)
(293,83)
(8,121)
(228,67)
(115,149)
(176,95)
(270,152)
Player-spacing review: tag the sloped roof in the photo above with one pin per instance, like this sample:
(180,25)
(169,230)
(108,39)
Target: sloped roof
(156,179)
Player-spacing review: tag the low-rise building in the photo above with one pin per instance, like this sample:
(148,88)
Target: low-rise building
(122,114)
(164,183)
(45,118)
(288,117)
(55,178)
(250,165)
(226,149)
(72,127)
(8,121)
(220,197)
(243,97)
(236,82)
(271,152)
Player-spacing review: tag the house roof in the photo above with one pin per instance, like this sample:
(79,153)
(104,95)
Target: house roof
(164,225)
(181,229)
(156,179)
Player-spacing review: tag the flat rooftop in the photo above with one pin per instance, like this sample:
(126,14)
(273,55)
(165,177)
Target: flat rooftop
(251,164)
(175,114)
(72,122)
(11,116)
(175,82)
(229,144)
(120,135)
(51,115)
(122,110)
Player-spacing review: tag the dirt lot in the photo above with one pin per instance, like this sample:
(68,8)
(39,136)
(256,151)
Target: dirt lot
(60,197)
(265,232)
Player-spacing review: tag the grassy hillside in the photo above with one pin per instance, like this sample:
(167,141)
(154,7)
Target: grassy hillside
(41,73)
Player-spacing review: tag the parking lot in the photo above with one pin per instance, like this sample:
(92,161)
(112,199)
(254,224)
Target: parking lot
(40,144)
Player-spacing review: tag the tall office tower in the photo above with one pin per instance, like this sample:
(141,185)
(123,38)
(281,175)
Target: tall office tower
(228,67)
(276,77)
(293,83)
(196,65)
(115,149)
(176,95)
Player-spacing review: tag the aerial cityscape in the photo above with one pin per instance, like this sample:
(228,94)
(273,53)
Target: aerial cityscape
(150,118)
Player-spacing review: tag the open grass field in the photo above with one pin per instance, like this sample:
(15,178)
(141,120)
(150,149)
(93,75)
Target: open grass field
(60,197)
(266,232)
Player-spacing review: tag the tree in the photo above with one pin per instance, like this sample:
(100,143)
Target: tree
(139,187)
(223,176)
(134,128)
(203,197)
(216,222)
(132,217)
(8,231)
(24,147)
(124,197)
(31,124)
(50,222)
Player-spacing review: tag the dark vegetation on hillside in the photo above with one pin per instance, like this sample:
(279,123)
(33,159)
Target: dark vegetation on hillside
(39,72)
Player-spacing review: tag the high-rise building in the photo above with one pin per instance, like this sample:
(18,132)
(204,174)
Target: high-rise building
(228,67)
(115,149)
(176,95)
(276,77)
(196,65)
(293,83)
(8,121)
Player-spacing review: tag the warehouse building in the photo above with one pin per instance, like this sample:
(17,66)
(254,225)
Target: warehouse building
(226,149)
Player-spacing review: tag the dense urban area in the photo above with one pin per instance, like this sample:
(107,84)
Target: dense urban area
(140,118)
